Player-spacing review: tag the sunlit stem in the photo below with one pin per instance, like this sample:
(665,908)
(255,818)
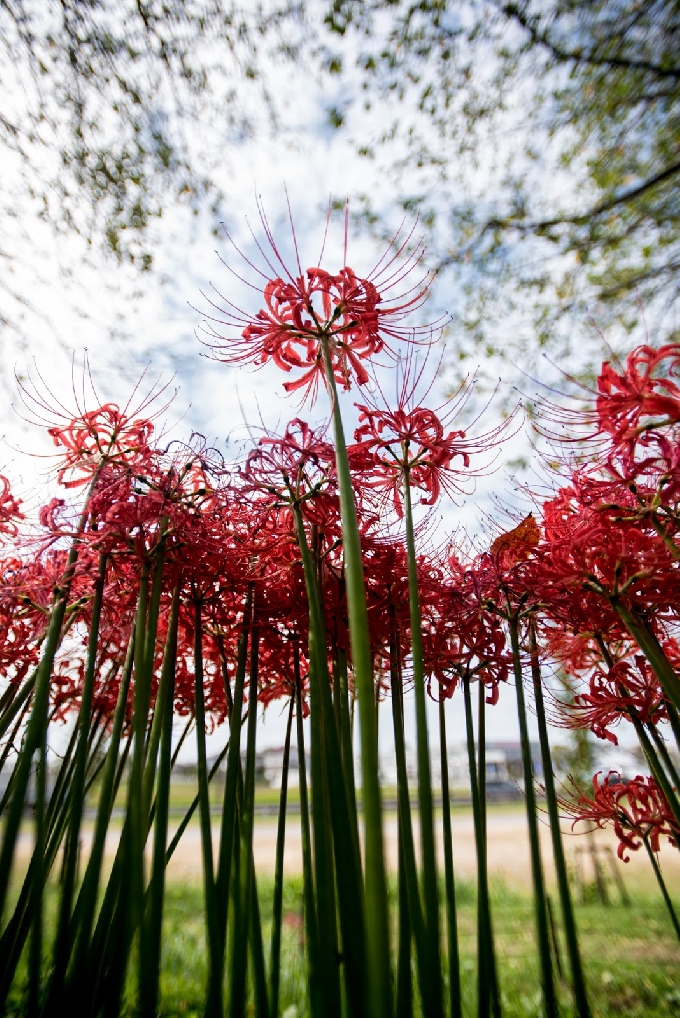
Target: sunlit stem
(545,959)
(662,886)
(455,1003)
(87,898)
(652,649)
(150,941)
(331,802)
(578,979)
(37,898)
(315,996)
(378,943)
(78,783)
(657,770)
(274,973)
(665,756)
(426,808)
(228,825)
(214,959)
(408,872)
(243,875)
(486,966)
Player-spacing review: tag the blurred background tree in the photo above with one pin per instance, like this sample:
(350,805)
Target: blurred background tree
(540,143)
(109,107)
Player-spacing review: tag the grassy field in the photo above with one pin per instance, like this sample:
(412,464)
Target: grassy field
(632,958)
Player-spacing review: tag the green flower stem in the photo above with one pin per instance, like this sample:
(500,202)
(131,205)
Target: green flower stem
(652,649)
(332,824)
(486,962)
(674,720)
(256,941)
(35,729)
(455,1001)
(62,943)
(214,989)
(481,778)
(376,909)
(37,907)
(311,928)
(407,856)
(544,955)
(425,800)
(481,753)
(664,889)
(277,906)
(83,918)
(657,769)
(17,704)
(243,876)
(150,940)
(662,750)
(186,819)
(404,1001)
(571,936)
(224,867)
(9,746)
(346,732)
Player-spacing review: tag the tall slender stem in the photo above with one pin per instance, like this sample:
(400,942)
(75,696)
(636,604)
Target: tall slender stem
(243,875)
(214,990)
(377,926)
(662,886)
(485,946)
(274,973)
(455,1003)
(652,649)
(578,978)
(311,927)
(407,858)
(545,959)
(425,800)
(150,941)
(62,944)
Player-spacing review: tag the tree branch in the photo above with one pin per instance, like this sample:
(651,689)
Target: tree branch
(514,12)
(579,220)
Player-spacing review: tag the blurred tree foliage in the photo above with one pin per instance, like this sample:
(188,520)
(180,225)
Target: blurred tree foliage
(540,142)
(109,109)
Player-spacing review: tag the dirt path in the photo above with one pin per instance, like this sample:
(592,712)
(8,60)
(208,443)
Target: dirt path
(508,850)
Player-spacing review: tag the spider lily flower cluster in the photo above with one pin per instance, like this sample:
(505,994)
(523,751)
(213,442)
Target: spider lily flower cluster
(184,590)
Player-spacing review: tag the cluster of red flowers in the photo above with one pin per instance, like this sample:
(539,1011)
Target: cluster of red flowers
(637,809)
(597,572)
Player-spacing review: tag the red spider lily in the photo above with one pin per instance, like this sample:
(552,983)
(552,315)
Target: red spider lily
(627,689)
(9,509)
(393,445)
(21,623)
(641,396)
(637,810)
(105,435)
(582,548)
(465,637)
(294,468)
(413,445)
(356,316)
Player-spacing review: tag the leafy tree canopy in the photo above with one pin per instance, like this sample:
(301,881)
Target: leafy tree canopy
(540,142)
(111,108)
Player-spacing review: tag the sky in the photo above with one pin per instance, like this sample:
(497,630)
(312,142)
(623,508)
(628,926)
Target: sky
(61,303)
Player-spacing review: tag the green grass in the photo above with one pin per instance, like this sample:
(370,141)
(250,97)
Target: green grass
(631,956)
